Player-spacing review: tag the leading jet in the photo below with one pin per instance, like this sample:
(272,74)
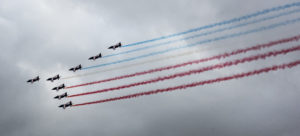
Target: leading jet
(96,57)
(115,46)
(33,80)
(62,86)
(74,69)
(53,78)
(61,96)
(64,106)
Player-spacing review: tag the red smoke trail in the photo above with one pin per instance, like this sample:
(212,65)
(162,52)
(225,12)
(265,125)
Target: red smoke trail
(201,83)
(224,55)
(197,71)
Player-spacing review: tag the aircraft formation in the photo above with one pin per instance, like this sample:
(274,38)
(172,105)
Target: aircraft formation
(74,69)
(242,21)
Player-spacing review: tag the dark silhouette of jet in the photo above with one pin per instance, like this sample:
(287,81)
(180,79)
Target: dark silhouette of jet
(61,96)
(74,69)
(64,106)
(53,78)
(115,46)
(96,57)
(62,86)
(33,80)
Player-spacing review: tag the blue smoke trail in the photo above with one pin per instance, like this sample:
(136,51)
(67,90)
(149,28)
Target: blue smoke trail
(288,22)
(296,4)
(208,33)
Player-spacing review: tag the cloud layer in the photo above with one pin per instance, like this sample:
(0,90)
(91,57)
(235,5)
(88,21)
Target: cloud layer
(46,37)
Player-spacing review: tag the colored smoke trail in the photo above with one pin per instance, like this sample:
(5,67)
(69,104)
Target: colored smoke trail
(224,55)
(246,17)
(272,26)
(197,71)
(139,63)
(208,33)
(201,83)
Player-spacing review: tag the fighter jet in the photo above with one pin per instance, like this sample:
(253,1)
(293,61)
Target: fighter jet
(74,69)
(53,78)
(95,57)
(61,96)
(115,46)
(33,80)
(64,106)
(62,86)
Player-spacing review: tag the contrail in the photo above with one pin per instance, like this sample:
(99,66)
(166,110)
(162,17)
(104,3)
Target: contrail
(272,26)
(207,33)
(220,56)
(197,71)
(245,17)
(201,83)
(190,52)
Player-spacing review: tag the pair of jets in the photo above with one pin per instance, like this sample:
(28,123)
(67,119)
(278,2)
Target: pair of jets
(111,47)
(74,69)
(57,77)
(64,106)
(118,45)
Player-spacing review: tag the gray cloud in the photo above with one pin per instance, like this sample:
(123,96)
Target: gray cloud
(48,37)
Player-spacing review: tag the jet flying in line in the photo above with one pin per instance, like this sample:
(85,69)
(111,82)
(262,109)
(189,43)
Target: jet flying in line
(33,80)
(64,106)
(62,86)
(96,57)
(53,78)
(61,96)
(115,46)
(74,69)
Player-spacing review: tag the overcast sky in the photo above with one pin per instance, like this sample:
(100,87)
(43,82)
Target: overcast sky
(47,37)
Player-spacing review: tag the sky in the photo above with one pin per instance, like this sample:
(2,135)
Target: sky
(47,37)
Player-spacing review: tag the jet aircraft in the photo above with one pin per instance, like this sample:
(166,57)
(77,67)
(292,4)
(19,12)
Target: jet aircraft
(64,106)
(53,78)
(61,96)
(115,46)
(96,57)
(33,80)
(74,69)
(62,86)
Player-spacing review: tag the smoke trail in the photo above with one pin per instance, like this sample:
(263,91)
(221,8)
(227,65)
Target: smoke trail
(207,33)
(224,55)
(139,63)
(246,17)
(188,52)
(197,71)
(272,26)
(201,83)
